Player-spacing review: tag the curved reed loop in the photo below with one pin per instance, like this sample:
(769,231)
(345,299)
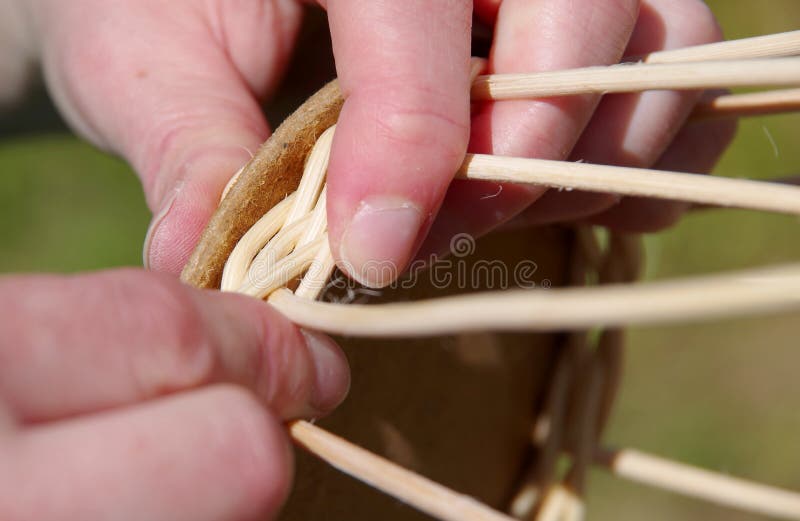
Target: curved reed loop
(288,248)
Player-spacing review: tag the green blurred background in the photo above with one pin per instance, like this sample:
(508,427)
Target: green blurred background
(724,395)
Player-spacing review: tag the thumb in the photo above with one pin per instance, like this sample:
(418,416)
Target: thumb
(169,88)
(403,131)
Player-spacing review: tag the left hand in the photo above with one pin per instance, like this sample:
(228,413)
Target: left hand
(128,395)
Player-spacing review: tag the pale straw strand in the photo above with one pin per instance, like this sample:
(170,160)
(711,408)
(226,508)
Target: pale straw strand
(252,241)
(750,104)
(727,105)
(773,72)
(720,191)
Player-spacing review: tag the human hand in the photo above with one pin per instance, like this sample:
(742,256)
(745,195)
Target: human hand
(173,87)
(124,395)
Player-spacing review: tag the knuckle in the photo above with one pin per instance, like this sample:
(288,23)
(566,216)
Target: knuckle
(419,117)
(422,128)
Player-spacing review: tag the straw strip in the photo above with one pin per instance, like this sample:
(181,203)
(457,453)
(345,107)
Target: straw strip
(741,193)
(413,489)
(771,45)
(283,243)
(639,77)
(263,279)
(251,242)
(703,484)
(319,273)
(750,292)
(313,176)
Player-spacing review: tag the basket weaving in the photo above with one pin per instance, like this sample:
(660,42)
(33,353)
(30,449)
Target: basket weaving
(521,400)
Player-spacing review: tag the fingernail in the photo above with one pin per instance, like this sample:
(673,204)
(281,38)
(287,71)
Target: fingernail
(379,241)
(155,222)
(332,373)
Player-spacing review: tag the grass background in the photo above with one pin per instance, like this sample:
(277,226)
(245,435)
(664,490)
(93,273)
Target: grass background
(724,395)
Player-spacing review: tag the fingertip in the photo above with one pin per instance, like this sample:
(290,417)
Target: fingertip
(332,374)
(186,208)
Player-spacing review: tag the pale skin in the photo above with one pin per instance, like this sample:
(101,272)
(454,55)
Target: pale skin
(163,393)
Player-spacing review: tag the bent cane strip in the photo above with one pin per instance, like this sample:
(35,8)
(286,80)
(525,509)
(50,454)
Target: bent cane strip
(428,496)
(747,292)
